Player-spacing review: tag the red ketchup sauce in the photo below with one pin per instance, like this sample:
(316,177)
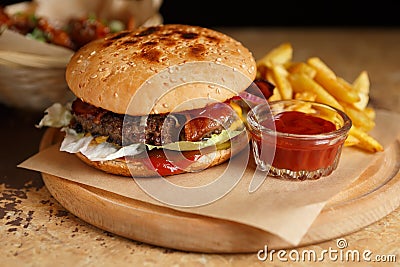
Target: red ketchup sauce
(295,122)
(298,154)
(173,163)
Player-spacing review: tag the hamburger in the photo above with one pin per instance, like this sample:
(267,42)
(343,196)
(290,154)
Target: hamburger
(159,100)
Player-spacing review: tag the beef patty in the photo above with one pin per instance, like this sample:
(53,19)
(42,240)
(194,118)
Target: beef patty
(154,129)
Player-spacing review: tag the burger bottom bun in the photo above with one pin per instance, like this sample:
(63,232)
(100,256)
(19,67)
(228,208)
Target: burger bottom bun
(137,168)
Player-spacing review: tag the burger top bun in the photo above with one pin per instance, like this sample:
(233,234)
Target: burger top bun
(160,69)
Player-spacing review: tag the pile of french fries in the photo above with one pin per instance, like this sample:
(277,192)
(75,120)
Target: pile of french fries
(314,80)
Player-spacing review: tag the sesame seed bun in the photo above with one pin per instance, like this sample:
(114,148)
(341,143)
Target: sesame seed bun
(109,72)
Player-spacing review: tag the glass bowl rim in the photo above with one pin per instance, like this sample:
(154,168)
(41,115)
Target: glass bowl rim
(340,132)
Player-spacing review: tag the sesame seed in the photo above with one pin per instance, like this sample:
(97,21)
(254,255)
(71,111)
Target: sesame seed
(251,69)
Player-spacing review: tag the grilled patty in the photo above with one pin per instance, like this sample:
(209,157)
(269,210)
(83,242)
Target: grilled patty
(154,129)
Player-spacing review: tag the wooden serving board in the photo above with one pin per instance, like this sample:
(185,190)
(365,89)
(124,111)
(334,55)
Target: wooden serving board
(372,196)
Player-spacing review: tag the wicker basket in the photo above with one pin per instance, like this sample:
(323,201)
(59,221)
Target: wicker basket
(32,88)
(36,81)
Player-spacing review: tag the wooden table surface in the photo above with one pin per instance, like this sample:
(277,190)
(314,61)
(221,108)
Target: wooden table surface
(36,230)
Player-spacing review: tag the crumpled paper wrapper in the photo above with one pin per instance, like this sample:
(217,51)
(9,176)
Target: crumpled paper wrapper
(283,208)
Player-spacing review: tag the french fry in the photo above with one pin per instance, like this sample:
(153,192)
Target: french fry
(306,95)
(280,75)
(363,98)
(313,80)
(345,84)
(301,67)
(318,64)
(328,79)
(336,89)
(351,141)
(276,95)
(270,76)
(302,107)
(359,118)
(363,102)
(302,83)
(366,141)
(370,112)
(277,56)
(361,85)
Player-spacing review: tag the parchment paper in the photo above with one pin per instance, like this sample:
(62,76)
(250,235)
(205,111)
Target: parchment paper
(284,208)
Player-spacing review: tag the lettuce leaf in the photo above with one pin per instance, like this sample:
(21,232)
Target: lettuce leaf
(215,139)
(56,115)
(86,144)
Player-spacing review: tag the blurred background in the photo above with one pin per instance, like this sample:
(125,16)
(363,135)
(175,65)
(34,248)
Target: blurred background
(372,16)
(282,13)
(208,13)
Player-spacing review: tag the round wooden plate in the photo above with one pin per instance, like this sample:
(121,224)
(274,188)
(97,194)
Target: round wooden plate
(372,196)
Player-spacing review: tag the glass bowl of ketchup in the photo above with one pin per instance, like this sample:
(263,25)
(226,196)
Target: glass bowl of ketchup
(296,139)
